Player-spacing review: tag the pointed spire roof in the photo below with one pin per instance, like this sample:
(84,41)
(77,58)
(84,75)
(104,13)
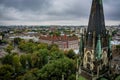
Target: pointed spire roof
(98,49)
(96,20)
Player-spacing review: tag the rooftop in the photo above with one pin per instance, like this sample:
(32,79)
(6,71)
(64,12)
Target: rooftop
(59,38)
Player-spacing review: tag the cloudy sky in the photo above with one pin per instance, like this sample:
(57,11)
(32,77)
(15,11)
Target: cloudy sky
(54,12)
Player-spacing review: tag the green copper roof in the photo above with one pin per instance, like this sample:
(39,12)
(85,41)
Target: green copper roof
(81,45)
(98,49)
(110,46)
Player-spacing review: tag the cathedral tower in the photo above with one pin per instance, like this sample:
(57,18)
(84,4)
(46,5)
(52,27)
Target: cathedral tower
(95,49)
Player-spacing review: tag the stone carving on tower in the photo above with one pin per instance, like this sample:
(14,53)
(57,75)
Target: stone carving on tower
(95,49)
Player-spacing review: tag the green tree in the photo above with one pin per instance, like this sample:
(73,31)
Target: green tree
(17,40)
(7,59)
(42,46)
(56,54)
(9,48)
(54,70)
(6,72)
(16,63)
(43,57)
(72,77)
(71,54)
(23,60)
(29,60)
(53,47)
(35,60)
(27,47)
(29,75)
(40,58)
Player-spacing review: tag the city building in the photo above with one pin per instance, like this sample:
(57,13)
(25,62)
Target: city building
(64,42)
(95,47)
(27,38)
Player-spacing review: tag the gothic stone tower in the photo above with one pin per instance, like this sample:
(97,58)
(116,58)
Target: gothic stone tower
(95,50)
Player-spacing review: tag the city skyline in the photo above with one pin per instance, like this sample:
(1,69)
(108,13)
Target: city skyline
(54,12)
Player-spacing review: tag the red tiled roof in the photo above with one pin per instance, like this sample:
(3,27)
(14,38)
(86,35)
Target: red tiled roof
(58,38)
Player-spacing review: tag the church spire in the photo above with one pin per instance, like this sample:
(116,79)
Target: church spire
(96,47)
(96,20)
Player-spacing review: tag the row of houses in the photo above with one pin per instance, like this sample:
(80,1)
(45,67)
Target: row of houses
(64,42)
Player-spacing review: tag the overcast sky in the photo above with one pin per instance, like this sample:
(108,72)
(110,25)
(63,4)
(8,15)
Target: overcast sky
(54,12)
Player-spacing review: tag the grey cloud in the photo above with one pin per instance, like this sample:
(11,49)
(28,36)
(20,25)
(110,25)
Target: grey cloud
(112,11)
(53,10)
(9,13)
(26,4)
(73,8)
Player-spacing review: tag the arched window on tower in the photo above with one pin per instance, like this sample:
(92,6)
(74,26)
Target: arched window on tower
(88,60)
(89,57)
